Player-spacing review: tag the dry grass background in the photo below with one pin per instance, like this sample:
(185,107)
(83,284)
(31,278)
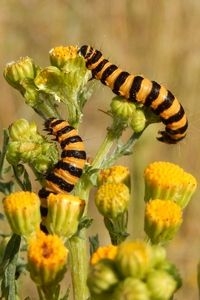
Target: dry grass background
(160,39)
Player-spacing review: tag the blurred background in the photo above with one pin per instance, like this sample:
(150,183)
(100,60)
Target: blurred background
(159,39)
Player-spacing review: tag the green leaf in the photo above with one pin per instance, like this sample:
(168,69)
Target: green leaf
(6,187)
(94,243)
(3,152)
(8,268)
(22,177)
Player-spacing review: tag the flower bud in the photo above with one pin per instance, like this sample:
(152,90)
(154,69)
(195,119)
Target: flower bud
(162,220)
(50,80)
(120,107)
(64,213)
(28,146)
(138,120)
(22,210)
(102,277)
(171,269)
(114,174)
(21,129)
(106,252)
(15,72)
(61,54)
(47,259)
(131,289)
(164,180)
(134,259)
(158,255)
(112,199)
(161,285)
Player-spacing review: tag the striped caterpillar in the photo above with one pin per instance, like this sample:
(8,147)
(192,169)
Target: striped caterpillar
(136,88)
(67,171)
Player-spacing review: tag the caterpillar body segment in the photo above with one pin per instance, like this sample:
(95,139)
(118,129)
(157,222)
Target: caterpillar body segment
(67,171)
(136,88)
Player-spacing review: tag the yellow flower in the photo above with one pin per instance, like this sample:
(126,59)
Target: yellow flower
(162,220)
(165,180)
(61,54)
(47,259)
(106,252)
(23,212)
(112,199)
(64,213)
(114,174)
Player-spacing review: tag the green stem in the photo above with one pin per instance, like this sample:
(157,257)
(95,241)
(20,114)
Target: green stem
(77,246)
(103,151)
(48,292)
(79,264)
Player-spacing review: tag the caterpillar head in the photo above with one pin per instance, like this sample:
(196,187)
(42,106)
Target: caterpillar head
(86,51)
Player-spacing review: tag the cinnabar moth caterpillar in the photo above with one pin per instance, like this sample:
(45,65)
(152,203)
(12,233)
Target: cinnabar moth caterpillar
(136,88)
(67,171)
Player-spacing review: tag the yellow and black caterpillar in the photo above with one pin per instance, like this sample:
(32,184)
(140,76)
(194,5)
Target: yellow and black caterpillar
(136,88)
(67,171)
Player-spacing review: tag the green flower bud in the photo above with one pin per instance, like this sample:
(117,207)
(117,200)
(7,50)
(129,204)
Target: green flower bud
(64,213)
(131,289)
(161,285)
(23,212)
(60,55)
(21,129)
(16,72)
(138,120)
(120,107)
(134,259)
(172,271)
(158,255)
(112,199)
(102,277)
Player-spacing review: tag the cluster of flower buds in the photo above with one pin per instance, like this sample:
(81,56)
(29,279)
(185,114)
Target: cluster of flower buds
(26,145)
(132,270)
(43,88)
(133,114)
(168,190)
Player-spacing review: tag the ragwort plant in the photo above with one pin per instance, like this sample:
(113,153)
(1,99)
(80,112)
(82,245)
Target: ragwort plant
(49,234)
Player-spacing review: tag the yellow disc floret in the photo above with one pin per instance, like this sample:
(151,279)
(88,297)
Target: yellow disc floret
(23,212)
(162,220)
(112,199)
(47,259)
(106,252)
(61,54)
(165,180)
